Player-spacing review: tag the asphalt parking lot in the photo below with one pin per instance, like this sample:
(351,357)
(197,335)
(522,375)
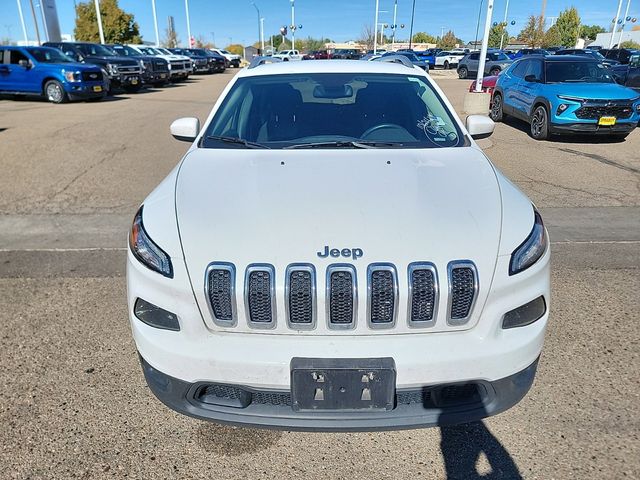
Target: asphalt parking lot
(74,404)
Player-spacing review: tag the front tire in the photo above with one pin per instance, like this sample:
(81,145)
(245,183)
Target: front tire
(497,112)
(463,73)
(54,92)
(494,72)
(540,123)
(446,65)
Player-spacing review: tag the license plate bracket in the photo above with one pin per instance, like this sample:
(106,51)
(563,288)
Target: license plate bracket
(343,384)
(607,121)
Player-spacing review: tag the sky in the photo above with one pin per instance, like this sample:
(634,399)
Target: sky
(236,21)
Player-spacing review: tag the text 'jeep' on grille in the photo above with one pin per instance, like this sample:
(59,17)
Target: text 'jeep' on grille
(312,264)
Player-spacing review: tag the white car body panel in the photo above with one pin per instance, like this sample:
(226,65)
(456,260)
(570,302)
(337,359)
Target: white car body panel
(453,58)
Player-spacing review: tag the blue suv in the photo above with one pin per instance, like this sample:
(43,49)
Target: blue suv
(43,71)
(565,95)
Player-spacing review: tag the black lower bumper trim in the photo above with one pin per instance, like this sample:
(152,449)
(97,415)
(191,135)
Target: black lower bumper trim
(431,406)
(592,128)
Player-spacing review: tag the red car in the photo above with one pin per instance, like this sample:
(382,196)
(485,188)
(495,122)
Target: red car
(488,84)
(317,55)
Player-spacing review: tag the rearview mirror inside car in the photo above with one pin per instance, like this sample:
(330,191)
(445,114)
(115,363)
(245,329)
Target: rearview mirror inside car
(480,126)
(185,129)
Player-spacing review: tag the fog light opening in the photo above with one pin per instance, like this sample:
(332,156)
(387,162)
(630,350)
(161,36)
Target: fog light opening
(155,316)
(525,314)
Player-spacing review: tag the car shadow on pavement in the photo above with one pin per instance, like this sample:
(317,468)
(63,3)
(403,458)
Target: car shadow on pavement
(463,448)
(232,441)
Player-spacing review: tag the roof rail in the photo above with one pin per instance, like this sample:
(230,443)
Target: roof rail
(395,59)
(257,61)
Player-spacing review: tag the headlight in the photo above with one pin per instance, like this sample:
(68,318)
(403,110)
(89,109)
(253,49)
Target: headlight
(530,251)
(72,76)
(146,251)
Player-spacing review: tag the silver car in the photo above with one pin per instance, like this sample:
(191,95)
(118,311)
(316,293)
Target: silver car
(496,62)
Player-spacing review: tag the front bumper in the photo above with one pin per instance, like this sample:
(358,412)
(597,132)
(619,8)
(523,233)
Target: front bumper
(80,91)
(426,407)
(155,77)
(592,128)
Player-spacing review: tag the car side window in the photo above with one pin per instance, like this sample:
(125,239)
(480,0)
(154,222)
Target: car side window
(474,56)
(535,69)
(15,56)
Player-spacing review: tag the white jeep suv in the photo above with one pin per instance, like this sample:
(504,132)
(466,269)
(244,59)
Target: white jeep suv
(335,252)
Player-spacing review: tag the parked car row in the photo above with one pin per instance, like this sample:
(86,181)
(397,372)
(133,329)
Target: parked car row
(63,71)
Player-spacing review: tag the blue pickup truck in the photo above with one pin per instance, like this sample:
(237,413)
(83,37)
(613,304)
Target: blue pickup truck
(43,71)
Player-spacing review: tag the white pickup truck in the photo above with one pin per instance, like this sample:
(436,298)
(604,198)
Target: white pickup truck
(288,55)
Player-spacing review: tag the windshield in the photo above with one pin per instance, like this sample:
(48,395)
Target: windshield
(227,53)
(95,50)
(161,51)
(333,109)
(49,55)
(497,57)
(198,51)
(124,51)
(585,72)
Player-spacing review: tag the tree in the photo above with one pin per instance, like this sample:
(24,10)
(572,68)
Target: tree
(590,32)
(498,35)
(6,41)
(552,37)
(423,37)
(568,25)
(170,39)
(630,44)
(236,49)
(533,32)
(448,41)
(118,25)
(202,43)
(367,37)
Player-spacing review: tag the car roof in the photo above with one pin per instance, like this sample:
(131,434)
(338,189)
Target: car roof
(334,66)
(568,58)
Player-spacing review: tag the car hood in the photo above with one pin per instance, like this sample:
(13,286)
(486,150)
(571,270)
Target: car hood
(283,206)
(593,91)
(114,60)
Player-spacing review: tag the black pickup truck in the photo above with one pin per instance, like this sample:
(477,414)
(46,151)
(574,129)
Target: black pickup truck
(122,72)
(629,74)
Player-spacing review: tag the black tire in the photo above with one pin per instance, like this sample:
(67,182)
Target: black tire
(497,111)
(446,65)
(540,123)
(494,72)
(54,92)
(285,59)
(463,73)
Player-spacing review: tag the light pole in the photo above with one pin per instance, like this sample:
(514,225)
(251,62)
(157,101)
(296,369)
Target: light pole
(478,24)
(24,27)
(186,8)
(155,22)
(375,29)
(44,21)
(413,12)
(615,24)
(624,22)
(99,15)
(504,23)
(394,26)
(293,24)
(485,46)
(260,34)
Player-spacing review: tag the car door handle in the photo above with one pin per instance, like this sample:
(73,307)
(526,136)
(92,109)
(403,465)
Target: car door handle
(4,69)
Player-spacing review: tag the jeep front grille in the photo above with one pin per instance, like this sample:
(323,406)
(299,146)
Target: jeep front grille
(382,283)
(300,295)
(342,296)
(260,295)
(463,286)
(386,304)
(423,294)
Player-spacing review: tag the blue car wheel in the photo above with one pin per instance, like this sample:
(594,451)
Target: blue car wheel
(54,92)
(540,123)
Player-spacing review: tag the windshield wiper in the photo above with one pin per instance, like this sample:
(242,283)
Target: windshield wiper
(346,144)
(240,141)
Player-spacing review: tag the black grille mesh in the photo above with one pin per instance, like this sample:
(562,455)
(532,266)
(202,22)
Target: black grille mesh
(259,296)
(382,296)
(224,391)
(300,297)
(89,76)
(220,291)
(271,398)
(462,292)
(341,297)
(595,112)
(423,295)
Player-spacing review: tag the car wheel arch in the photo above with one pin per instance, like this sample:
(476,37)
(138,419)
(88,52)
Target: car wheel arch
(47,80)
(540,101)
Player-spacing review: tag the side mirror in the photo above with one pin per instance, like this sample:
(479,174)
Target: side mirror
(185,129)
(24,64)
(480,126)
(531,79)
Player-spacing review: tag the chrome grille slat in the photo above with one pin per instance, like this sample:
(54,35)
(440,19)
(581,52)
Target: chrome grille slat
(423,294)
(259,291)
(382,299)
(342,296)
(300,296)
(463,289)
(220,280)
